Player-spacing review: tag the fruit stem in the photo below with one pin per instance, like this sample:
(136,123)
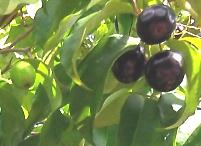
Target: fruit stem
(189,26)
(136,10)
(144,95)
(161,49)
(156,95)
(7,67)
(149,51)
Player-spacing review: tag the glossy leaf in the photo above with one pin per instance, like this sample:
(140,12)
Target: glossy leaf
(125,23)
(104,53)
(149,129)
(84,26)
(63,29)
(63,81)
(109,113)
(17,31)
(193,40)
(31,141)
(71,137)
(194,138)
(39,110)
(53,129)
(192,63)
(105,136)
(7,6)
(45,77)
(12,116)
(129,116)
(166,109)
(48,18)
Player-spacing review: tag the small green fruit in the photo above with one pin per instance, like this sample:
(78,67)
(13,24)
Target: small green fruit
(23,75)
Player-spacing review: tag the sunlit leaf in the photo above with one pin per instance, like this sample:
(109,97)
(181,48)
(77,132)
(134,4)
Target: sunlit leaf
(194,138)
(49,16)
(192,61)
(7,6)
(104,54)
(109,113)
(39,110)
(84,26)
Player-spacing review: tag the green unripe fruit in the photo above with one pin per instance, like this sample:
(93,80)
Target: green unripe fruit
(23,75)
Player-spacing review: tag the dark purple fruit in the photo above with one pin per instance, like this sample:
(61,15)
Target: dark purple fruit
(130,66)
(156,24)
(165,71)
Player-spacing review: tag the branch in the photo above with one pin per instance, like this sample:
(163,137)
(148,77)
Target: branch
(136,10)
(21,37)
(4,51)
(7,67)
(6,19)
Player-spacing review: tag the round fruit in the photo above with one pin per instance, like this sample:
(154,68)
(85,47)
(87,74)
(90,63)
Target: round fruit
(156,24)
(165,71)
(23,74)
(130,66)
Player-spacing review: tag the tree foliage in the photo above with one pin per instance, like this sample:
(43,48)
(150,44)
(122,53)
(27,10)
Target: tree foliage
(75,99)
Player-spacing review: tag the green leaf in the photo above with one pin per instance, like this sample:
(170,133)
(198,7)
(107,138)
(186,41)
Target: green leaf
(65,24)
(53,129)
(109,113)
(129,116)
(45,77)
(71,137)
(149,130)
(193,40)
(7,6)
(145,3)
(105,136)
(16,31)
(39,110)
(12,116)
(70,49)
(194,9)
(125,22)
(31,141)
(112,132)
(194,138)
(63,81)
(165,105)
(47,18)
(192,61)
(104,54)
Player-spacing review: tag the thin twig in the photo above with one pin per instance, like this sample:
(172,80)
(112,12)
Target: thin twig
(193,34)
(8,18)
(189,26)
(7,67)
(160,46)
(21,37)
(136,10)
(4,51)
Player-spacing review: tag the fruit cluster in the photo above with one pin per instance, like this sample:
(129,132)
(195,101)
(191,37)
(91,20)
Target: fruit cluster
(164,71)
